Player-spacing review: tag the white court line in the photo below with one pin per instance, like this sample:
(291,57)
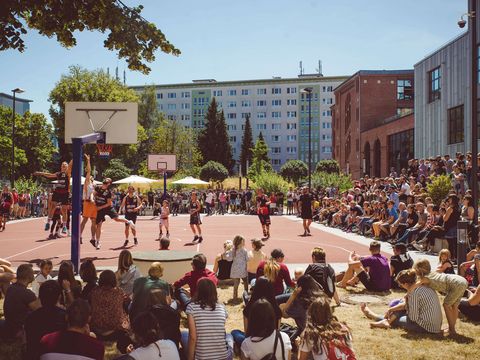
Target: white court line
(27,251)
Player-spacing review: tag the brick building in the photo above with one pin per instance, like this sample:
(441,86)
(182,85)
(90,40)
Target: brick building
(373,122)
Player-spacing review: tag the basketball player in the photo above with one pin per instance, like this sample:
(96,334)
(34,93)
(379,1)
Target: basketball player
(305,204)
(263,212)
(164,214)
(195,222)
(89,209)
(6,200)
(103,202)
(60,194)
(131,204)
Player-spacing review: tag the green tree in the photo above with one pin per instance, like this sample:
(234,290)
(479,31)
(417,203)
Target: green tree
(213,141)
(116,170)
(213,171)
(271,182)
(260,159)
(135,38)
(323,179)
(33,143)
(294,170)
(439,188)
(328,166)
(84,85)
(247,145)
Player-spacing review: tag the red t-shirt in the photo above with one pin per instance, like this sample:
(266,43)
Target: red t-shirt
(283,276)
(191,278)
(70,344)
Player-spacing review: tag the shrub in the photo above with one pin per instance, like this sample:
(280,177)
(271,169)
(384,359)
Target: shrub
(23,184)
(323,179)
(116,170)
(270,182)
(328,166)
(294,170)
(438,188)
(213,171)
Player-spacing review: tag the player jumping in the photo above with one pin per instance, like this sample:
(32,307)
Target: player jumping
(89,209)
(131,204)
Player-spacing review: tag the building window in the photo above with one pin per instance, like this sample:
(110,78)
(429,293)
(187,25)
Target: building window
(400,149)
(185,106)
(159,96)
(185,94)
(233,139)
(291,114)
(327,88)
(327,100)
(261,91)
(231,116)
(291,90)
(245,92)
(276,102)
(186,117)
(217,92)
(434,80)
(276,126)
(455,125)
(276,162)
(348,112)
(291,149)
(231,127)
(172,106)
(326,149)
(244,115)
(246,103)
(232,92)
(276,90)
(291,101)
(261,115)
(276,114)
(171,95)
(326,125)
(276,138)
(404,90)
(327,113)
(291,126)
(261,126)
(276,150)
(291,137)
(172,117)
(232,104)
(261,102)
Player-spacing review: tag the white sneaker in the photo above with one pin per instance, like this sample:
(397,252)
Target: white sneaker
(97,245)
(131,224)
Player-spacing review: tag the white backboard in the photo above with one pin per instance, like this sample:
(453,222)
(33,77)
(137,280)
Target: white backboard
(117,120)
(162,162)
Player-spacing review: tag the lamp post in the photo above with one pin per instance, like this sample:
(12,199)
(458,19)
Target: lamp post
(12,179)
(309,91)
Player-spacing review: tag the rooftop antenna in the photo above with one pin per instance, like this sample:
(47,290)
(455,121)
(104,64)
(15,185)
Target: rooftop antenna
(301,67)
(319,70)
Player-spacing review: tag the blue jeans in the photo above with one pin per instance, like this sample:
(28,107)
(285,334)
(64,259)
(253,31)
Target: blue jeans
(182,297)
(228,340)
(408,235)
(238,337)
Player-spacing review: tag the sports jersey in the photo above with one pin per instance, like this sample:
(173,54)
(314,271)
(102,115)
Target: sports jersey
(130,204)
(102,196)
(63,182)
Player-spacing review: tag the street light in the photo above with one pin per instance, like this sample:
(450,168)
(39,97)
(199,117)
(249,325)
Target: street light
(12,179)
(309,91)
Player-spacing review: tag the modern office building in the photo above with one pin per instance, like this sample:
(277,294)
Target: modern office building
(373,122)
(277,108)
(21,105)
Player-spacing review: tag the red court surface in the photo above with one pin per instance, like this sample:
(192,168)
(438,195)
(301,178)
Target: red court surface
(26,241)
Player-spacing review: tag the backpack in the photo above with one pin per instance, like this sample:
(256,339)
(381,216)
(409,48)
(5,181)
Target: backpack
(325,279)
(272,356)
(338,350)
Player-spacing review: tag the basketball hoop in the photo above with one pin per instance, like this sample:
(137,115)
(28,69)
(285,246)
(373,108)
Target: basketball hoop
(104,150)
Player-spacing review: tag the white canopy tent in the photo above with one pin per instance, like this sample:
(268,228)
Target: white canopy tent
(135,179)
(189,180)
(95,182)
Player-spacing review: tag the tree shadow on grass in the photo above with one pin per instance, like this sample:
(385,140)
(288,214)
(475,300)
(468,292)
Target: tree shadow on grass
(36,261)
(458,338)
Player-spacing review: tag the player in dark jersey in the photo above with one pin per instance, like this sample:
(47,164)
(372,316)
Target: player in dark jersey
(6,201)
(104,204)
(195,222)
(60,194)
(131,204)
(306,210)
(263,212)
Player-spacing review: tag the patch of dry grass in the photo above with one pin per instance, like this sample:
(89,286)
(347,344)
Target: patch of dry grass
(369,344)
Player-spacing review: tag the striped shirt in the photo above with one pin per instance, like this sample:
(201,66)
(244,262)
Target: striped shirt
(210,327)
(423,308)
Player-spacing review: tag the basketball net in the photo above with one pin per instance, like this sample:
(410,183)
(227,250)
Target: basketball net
(104,150)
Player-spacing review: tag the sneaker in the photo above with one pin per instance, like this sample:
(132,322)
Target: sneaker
(168,235)
(97,245)
(125,244)
(51,237)
(93,242)
(135,241)
(57,236)
(131,224)
(195,239)
(64,230)
(200,239)
(304,234)
(69,233)
(47,226)
(81,241)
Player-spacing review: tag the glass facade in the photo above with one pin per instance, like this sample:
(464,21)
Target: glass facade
(400,150)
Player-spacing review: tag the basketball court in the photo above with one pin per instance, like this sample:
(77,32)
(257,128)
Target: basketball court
(25,241)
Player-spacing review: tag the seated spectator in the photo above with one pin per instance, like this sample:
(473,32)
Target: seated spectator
(263,338)
(323,273)
(378,276)
(445,264)
(164,243)
(206,338)
(6,276)
(324,334)
(382,228)
(71,288)
(76,341)
(109,320)
(168,318)
(399,261)
(44,275)
(422,221)
(255,256)
(471,307)
(47,319)
(223,261)
(88,274)
(199,271)
(127,272)
(263,290)
(470,269)
(296,307)
(277,273)
(19,302)
(143,286)
(419,312)
(150,343)
(399,226)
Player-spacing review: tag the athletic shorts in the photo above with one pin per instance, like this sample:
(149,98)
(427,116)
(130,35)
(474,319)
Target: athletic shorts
(61,198)
(164,222)
(307,215)
(89,209)
(132,217)
(195,219)
(5,211)
(264,219)
(104,212)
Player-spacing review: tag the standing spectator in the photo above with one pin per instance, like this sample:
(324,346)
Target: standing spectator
(323,273)
(75,342)
(199,271)
(206,338)
(248,201)
(45,320)
(239,265)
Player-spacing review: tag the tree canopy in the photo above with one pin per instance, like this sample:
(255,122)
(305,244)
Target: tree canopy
(116,170)
(213,171)
(135,38)
(294,170)
(260,159)
(247,145)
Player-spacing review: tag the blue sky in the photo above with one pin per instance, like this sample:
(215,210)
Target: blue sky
(248,39)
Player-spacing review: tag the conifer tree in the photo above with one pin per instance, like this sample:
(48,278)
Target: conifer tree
(247,146)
